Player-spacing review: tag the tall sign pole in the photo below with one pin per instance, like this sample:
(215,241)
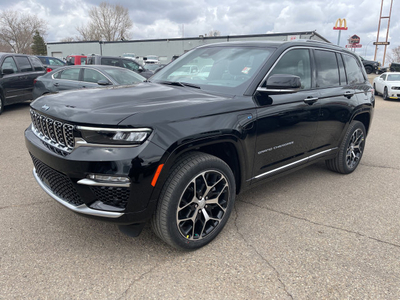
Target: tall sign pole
(386,43)
(340,25)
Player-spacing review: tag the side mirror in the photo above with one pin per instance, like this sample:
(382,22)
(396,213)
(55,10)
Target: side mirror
(103,82)
(282,84)
(8,71)
(140,69)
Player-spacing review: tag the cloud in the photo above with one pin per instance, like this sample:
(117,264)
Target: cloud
(157,19)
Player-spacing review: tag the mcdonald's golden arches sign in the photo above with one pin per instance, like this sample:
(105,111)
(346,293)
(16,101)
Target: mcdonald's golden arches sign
(340,24)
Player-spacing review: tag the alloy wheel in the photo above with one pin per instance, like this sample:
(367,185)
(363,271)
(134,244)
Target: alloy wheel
(202,205)
(355,148)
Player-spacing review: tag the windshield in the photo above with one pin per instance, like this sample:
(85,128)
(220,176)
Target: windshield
(393,77)
(222,69)
(123,76)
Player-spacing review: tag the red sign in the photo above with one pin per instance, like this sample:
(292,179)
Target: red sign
(354,39)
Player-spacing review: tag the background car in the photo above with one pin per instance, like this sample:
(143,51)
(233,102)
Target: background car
(17,73)
(122,62)
(388,85)
(76,60)
(370,65)
(51,63)
(80,77)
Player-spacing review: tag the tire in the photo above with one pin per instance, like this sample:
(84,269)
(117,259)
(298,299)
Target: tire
(350,151)
(368,69)
(375,92)
(195,202)
(385,94)
(1,104)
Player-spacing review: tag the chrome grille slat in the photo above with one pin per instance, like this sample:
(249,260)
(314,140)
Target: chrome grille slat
(59,133)
(55,134)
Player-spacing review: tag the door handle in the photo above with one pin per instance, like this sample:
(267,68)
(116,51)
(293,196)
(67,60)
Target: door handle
(348,94)
(311,100)
(56,84)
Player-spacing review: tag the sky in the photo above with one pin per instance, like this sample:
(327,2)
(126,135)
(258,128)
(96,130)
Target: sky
(159,19)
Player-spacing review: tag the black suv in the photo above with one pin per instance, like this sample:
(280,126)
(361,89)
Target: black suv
(119,62)
(178,149)
(17,73)
(370,65)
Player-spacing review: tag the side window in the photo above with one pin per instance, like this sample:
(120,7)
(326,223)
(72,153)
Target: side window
(83,60)
(342,73)
(129,64)
(24,64)
(327,69)
(353,70)
(36,63)
(110,62)
(43,60)
(9,63)
(90,75)
(70,74)
(295,62)
(55,62)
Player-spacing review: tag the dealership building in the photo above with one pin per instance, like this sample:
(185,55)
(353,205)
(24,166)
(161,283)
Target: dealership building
(165,49)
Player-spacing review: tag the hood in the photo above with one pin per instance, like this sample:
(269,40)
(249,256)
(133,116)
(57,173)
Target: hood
(110,106)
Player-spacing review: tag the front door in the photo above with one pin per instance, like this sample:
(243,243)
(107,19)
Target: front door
(286,123)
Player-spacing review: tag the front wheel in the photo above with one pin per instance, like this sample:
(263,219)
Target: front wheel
(368,69)
(195,202)
(350,151)
(375,91)
(385,94)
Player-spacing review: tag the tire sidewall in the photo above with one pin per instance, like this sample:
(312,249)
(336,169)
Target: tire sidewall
(385,94)
(175,197)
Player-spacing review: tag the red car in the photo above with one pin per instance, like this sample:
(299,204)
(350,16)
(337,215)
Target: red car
(76,59)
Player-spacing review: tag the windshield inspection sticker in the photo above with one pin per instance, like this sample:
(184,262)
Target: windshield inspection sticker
(246,70)
(276,147)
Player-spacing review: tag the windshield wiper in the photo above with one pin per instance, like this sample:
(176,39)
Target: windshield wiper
(180,83)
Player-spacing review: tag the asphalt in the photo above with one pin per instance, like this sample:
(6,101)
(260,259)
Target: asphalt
(313,234)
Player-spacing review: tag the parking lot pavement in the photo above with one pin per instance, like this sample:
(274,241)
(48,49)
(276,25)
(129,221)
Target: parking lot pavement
(313,234)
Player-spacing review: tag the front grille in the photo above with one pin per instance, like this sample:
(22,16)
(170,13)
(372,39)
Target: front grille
(114,196)
(57,134)
(58,183)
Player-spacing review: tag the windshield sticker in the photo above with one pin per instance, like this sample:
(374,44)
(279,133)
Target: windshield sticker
(276,147)
(246,70)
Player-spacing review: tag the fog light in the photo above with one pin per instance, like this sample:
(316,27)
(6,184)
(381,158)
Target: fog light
(108,178)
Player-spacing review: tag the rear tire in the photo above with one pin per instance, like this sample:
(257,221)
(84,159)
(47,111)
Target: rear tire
(1,104)
(350,151)
(195,202)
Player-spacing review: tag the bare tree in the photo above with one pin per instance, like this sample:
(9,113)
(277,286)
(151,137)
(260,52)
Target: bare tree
(394,55)
(17,30)
(107,22)
(214,32)
(67,39)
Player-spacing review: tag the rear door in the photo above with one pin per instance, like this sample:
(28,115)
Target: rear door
(10,83)
(286,123)
(338,76)
(67,79)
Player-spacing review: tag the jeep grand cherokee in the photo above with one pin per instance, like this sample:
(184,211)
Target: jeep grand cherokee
(177,150)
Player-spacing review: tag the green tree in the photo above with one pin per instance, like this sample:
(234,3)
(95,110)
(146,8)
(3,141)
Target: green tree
(38,47)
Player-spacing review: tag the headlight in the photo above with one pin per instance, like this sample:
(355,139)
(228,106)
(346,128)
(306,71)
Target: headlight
(375,64)
(114,136)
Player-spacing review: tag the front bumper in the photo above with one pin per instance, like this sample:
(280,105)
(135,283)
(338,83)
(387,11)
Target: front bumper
(65,179)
